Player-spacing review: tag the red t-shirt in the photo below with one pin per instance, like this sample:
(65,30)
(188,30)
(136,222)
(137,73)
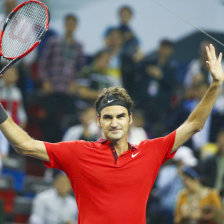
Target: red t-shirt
(111,190)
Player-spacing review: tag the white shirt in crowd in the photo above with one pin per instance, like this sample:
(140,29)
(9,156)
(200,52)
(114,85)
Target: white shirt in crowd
(50,208)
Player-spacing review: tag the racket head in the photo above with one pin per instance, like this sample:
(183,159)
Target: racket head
(23,30)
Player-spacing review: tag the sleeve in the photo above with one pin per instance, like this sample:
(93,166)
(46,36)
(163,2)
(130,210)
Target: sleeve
(167,143)
(60,154)
(160,148)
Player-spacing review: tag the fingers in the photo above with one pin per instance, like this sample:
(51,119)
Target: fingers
(212,50)
(208,53)
(220,58)
(211,54)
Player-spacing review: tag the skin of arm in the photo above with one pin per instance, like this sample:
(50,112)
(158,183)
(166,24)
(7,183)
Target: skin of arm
(198,117)
(22,142)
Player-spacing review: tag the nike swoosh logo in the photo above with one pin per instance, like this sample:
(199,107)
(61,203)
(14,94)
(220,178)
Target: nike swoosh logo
(133,155)
(109,101)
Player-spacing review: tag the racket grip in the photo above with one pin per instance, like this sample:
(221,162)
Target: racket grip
(8,66)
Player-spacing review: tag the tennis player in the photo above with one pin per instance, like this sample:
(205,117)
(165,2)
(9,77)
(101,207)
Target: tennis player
(112,179)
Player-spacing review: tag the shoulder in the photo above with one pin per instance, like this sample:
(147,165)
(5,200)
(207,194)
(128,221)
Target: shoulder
(159,141)
(68,146)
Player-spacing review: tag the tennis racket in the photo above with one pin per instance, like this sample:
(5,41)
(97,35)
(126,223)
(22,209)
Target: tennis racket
(23,30)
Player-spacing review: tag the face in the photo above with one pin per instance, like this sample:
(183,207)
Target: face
(102,62)
(114,39)
(70,25)
(125,16)
(62,185)
(165,51)
(115,122)
(89,116)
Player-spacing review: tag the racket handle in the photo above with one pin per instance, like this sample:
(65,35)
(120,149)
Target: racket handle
(8,66)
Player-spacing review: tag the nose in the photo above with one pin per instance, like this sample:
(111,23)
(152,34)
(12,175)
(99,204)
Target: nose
(114,122)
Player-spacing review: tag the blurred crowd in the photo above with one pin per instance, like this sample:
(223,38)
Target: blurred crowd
(51,94)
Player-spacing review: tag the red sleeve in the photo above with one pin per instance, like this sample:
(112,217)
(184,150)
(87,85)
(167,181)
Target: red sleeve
(160,148)
(61,154)
(167,145)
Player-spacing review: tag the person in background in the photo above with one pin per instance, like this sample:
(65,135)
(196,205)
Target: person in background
(137,131)
(12,100)
(158,83)
(167,189)
(113,44)
(60,62)
(197,203)
(94,77)
(87,130)
(8,6)
(198,67)
(214,122)
(130,52)
(212,168)
(62,56)
(56,205)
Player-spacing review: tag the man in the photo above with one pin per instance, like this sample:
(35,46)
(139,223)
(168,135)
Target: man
(158,84)
(55,205)
(60,56)
(112,179)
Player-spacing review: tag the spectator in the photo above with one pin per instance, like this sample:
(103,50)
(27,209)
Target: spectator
(130,52)
(213,123)
(167,189)
(55,206)
(137,131)
(94,77)
(12,100)
(197,203)
(212,169)
(62,56)
(9,5)
(114,42)
(157,85)
(60,62)
(198,67)
(86,130)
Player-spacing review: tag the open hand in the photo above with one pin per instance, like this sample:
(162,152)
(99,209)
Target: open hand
(214,64)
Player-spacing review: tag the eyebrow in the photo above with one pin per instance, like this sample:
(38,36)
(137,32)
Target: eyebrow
(108,116)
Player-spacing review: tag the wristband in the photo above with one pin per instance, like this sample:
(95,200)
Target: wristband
(3,114)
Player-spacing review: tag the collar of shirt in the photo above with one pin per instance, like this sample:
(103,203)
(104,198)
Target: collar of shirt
(106,141)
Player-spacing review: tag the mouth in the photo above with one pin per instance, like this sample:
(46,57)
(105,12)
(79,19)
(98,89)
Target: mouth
(115,130)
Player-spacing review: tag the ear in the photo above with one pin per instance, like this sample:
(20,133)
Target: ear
(130,118)
(98,120)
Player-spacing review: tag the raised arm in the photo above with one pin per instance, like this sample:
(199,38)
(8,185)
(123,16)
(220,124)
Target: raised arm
(20,140)
(199,115)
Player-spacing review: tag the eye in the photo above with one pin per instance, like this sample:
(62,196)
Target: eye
(121,115)
(107,117)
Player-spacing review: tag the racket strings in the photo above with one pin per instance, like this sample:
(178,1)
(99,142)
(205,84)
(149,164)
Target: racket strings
(24,29)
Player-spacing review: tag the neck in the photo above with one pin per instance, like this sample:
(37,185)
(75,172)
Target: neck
(120,146)
(69,38)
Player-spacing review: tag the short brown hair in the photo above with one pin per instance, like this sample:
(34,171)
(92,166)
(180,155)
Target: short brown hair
(118,92)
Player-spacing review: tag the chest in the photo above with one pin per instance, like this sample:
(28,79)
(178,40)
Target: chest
(101,170)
